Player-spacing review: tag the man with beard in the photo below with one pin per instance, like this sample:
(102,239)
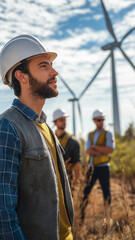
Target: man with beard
(36,202)
(70,145)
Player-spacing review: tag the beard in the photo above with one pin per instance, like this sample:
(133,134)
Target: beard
(42,90)
(61,128)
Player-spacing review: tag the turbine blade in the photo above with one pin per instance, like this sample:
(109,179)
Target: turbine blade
(64,82)
(127,34)
(82,93)
(80,115)
(108,21)
(127,58)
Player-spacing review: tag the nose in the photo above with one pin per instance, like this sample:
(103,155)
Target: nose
(54,72)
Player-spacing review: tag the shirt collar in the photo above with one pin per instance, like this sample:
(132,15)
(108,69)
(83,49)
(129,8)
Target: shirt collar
(60,137)
(28,112)
(100,130)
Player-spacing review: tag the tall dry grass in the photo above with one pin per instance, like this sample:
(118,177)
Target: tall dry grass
(120,224)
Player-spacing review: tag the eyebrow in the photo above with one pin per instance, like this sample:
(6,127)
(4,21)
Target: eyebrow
(50,64)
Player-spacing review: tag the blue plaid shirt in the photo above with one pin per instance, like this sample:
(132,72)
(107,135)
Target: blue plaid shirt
(10,159)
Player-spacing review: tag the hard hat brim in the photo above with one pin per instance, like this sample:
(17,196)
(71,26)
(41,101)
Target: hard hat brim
(64,115)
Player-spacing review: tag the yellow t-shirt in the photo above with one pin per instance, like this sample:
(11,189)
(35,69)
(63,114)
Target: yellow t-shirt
(64,224)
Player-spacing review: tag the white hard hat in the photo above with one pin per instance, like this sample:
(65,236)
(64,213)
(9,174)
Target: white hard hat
(17,49)
(58,113)
(97,113)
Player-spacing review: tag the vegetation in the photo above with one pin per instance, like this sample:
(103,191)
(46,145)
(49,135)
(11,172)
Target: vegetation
(117,222)
(123,158)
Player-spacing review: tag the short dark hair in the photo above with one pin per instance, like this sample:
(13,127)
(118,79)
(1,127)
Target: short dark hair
(15,83)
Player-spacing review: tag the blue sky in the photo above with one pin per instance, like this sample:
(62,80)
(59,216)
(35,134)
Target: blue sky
(76,30)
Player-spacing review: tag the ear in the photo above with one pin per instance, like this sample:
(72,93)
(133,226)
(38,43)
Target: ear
(20,76)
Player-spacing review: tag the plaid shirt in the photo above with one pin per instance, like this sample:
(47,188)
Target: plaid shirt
(10,159)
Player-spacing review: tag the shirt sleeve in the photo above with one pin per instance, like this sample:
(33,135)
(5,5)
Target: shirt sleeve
(109,140)
(76,152)
(10,155)
(72,150)
(88,143)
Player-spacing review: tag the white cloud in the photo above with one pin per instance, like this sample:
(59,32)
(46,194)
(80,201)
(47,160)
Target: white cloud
(116,6)
(98,16)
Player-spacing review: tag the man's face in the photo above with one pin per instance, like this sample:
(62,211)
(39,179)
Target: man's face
(42,78)
(99,121)
(60,123)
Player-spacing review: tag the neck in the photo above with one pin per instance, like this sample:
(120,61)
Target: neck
(99,128)
(60,132)
(34,103)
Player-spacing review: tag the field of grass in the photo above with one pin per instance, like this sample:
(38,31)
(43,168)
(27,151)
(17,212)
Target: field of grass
(118,222)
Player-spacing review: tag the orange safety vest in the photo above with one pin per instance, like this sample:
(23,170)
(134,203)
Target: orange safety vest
(100,142)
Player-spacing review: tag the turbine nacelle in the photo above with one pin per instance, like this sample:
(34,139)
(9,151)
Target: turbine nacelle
(73,99)
(110,46)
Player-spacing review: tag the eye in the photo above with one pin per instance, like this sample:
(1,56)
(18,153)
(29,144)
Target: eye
(44,66)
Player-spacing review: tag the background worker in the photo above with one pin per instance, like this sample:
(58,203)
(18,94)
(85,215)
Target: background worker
(98,146)
(69,143)
(35,197)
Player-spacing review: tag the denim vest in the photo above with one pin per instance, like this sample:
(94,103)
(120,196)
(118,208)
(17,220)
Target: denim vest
(38,201)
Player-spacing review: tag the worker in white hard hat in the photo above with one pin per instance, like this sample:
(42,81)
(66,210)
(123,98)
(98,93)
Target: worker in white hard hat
(36,201)
(99,146)
(70,145)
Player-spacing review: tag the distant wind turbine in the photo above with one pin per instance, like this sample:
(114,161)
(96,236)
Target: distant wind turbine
(73,100)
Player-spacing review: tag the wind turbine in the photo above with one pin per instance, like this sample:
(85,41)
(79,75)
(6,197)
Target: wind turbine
(111,46)
(73,100)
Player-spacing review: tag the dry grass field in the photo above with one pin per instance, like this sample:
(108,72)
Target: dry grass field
(96,226)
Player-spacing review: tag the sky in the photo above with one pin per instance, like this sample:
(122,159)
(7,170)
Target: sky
(76,31)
